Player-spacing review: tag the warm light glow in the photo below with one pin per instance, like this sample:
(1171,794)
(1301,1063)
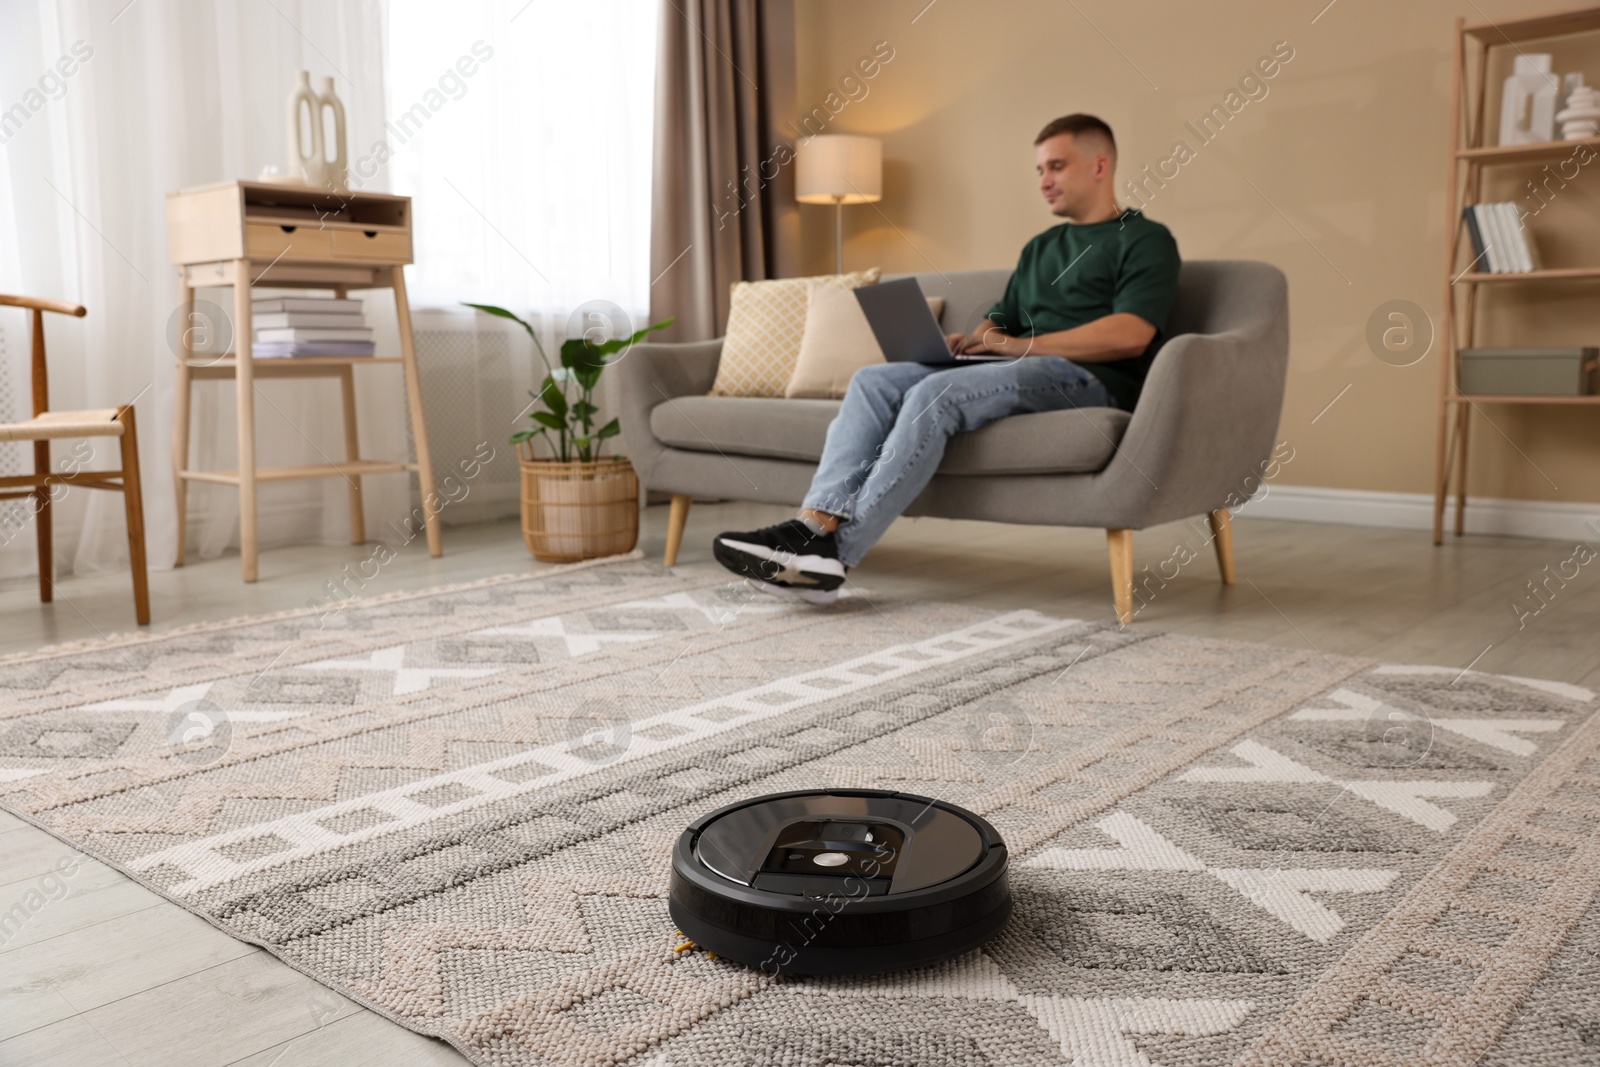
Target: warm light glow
(839,168)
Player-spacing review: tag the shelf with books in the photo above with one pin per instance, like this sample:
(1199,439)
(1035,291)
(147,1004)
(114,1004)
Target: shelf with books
(253,237)
(1547,274)
(1473,255)
(1500,240)
(299,327)
(297,367)
(264,366)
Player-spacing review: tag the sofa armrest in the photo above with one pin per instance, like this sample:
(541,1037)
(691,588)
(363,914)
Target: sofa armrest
(649,374)
(1204,428)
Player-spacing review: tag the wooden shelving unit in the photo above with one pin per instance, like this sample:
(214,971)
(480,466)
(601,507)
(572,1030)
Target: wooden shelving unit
(240,234)
(1469,157)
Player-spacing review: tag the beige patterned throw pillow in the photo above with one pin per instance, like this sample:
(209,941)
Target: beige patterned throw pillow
(765,323)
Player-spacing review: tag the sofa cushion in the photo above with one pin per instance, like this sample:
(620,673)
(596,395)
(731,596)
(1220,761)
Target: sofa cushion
(838,341)
(1046,442)
(745,425)
(1075,441)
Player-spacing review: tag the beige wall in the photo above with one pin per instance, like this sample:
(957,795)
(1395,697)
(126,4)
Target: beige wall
(1337,175)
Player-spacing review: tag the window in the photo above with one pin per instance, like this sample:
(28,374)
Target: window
(522,131)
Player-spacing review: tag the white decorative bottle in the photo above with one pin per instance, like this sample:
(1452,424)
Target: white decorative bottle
(305,132)
(337,169)
(1528,102)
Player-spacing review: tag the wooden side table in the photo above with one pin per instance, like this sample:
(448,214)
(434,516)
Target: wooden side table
(241,234)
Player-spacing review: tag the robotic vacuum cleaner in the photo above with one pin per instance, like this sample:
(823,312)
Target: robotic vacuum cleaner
(839,881)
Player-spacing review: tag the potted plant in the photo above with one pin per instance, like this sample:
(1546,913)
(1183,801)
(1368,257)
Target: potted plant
(577,503)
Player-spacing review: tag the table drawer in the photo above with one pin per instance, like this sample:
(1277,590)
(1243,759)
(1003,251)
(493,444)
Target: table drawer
(264,239)
(371,246)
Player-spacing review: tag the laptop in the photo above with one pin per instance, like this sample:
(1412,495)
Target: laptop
(905,327)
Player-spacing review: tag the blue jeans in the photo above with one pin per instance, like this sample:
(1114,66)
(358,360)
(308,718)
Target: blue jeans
(889,436)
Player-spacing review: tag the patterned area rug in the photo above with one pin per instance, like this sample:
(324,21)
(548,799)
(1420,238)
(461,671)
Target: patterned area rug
(456,807)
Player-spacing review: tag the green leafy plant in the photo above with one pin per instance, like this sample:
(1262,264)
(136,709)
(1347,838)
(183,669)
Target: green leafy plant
(566,422)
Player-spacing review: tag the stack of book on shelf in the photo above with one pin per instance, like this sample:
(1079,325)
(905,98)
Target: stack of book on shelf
(305,326)
(1501,244)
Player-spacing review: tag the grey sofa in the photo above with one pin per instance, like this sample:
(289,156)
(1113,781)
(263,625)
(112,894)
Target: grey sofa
(1203,429)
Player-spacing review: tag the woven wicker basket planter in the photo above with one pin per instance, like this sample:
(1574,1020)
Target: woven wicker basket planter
(573,511)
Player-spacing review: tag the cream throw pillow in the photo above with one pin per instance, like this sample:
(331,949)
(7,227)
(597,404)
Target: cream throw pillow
(837,342)
(765,323)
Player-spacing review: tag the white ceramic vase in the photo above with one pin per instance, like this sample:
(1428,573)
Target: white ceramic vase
(305,133)
(336,170)
(1528,102)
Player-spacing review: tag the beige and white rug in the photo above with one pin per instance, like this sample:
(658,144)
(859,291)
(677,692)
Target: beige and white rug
(456,808)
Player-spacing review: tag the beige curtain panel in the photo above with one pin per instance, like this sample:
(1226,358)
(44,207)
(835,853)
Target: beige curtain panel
(723,209)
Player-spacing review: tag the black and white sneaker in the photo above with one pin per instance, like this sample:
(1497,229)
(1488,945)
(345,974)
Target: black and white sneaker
(789,559)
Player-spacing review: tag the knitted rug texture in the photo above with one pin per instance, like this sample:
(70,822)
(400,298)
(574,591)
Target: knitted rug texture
(456,807)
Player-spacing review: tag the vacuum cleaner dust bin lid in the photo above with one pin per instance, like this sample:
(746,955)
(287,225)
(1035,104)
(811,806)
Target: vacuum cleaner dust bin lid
(839,881)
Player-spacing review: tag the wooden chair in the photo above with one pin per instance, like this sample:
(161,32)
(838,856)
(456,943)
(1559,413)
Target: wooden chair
(46,426)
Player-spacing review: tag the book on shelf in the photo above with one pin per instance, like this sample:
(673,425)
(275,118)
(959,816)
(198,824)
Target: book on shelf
(1495,248)
(1501,244)
(1487,256)
(343,304)
(310,349)
(1469,215)
(275,319)
(1530,247)
(314,333)
(1513,231)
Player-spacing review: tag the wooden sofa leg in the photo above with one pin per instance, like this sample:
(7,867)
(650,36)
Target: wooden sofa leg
(1222,535)
(1119,544)
(677,518)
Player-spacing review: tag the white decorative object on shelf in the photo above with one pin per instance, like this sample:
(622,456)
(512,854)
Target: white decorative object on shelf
(1569,82)
(1528,102)
(305,141)
(273,174)
(1581,119)
(336,170)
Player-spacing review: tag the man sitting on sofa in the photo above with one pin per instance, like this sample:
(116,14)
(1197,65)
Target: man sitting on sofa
(1082,314)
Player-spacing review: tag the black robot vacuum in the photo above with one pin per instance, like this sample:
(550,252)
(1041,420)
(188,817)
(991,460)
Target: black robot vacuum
(839,881)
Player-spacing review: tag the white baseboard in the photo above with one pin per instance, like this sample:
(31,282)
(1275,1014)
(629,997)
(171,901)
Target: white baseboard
(1544,519)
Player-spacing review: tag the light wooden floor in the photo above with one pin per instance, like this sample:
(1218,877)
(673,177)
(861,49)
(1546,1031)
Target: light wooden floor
(109,973)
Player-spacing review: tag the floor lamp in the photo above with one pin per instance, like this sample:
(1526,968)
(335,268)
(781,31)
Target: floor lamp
(839,169)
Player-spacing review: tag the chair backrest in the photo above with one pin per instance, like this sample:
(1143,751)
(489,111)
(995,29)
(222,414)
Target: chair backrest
(41,374)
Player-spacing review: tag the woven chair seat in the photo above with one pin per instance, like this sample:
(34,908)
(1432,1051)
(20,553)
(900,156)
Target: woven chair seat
(54,424)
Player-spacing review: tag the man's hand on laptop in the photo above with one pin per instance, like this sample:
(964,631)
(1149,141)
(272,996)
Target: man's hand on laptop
(986,339)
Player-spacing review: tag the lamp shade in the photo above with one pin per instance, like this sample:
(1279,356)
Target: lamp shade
(839,169)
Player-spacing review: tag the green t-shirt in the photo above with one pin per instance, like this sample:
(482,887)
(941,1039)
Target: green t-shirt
(1072,274)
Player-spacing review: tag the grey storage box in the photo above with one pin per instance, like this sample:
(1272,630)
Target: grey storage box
(1528,371)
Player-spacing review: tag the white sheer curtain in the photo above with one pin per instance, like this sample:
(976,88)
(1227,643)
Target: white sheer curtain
(174,93)
(529,165)
(535,174)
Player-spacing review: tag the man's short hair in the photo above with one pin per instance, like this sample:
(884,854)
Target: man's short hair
(1078,125)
